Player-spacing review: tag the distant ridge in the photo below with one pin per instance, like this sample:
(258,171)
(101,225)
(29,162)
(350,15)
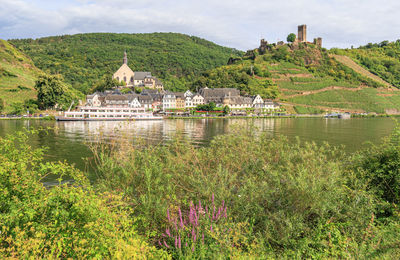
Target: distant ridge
(84,58)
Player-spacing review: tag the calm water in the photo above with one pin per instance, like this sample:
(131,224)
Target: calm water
(68,140)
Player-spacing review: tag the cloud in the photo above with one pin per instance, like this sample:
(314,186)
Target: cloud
(233,23)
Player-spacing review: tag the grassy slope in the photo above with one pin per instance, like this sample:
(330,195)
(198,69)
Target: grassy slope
(17,75)
(323,84)
(306,90)
(84,58)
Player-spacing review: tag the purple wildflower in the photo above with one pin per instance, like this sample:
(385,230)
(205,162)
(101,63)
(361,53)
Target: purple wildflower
(180,217)
(168,233)
(176,242)
(169,217)
(179,241)
(166,244)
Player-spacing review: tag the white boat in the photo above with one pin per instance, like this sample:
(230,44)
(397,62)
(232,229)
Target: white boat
(88,113)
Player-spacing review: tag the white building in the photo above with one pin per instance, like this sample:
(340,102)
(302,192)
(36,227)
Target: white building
(188,93)
(197,99)
(169,101)
(257,101)
(189,102)
(93,100)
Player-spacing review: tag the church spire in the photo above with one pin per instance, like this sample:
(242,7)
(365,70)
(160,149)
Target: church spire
(125,58)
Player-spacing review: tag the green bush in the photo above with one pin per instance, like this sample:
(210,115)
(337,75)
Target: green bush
(70,220)
(379,166)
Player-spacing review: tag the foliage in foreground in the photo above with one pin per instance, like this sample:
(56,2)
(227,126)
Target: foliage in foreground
(284,199)
(66,221)
(243,196)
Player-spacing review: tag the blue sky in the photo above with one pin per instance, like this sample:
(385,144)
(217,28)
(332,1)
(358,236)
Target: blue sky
(233,23)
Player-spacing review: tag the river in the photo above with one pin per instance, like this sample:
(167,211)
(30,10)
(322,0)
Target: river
(68,140)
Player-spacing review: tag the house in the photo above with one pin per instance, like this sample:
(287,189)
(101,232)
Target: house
(95,100)
(133,101)
(168,101)
(238,102)
(180,100)
(217,95)
(189,102)
(197,99)
(257,101)
(270,105)
(146,101)
(188,93)
(139,77)
(116,100)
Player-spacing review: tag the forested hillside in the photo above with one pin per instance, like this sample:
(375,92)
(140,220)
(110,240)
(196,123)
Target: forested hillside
(84,58)
(305,78)
(382,59)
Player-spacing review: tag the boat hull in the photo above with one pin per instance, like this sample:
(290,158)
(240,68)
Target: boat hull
(61,118)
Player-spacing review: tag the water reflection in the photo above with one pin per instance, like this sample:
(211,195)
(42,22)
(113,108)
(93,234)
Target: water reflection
(66,140)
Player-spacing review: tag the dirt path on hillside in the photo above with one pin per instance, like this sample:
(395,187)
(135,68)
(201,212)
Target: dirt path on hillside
(306,93)
(347,61)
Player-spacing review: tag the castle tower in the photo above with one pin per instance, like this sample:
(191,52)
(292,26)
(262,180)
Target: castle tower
(318,42)
(125,58)
(302,33)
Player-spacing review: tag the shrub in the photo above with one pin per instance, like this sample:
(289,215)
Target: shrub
(66,221)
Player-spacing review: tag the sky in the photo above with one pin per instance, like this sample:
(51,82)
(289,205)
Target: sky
(231,23)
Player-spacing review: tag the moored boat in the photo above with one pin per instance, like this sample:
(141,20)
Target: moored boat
(88,113)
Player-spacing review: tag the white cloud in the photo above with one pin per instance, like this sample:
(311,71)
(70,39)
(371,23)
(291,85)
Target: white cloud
(232,23)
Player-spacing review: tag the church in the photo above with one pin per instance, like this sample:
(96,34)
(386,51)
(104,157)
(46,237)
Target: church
(136,78)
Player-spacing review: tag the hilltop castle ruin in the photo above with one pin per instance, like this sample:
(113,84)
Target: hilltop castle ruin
(301,38)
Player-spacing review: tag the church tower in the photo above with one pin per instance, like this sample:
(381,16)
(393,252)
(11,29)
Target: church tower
(125,58)
(124,73)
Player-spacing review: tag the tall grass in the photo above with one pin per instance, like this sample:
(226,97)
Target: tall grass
(295,199)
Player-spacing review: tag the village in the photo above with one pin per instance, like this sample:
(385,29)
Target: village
(153,97)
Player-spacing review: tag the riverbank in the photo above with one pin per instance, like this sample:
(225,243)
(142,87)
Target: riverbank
(48,118)
(280,116)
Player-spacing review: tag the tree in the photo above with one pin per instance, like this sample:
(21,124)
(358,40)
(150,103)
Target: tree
(105,83)
(17,108)
(291,37)
(226,110)
(50,89)
(31,106)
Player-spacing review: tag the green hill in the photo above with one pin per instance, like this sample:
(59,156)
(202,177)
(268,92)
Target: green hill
(17,75)
(305,78)
(381,59)
(84,58)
